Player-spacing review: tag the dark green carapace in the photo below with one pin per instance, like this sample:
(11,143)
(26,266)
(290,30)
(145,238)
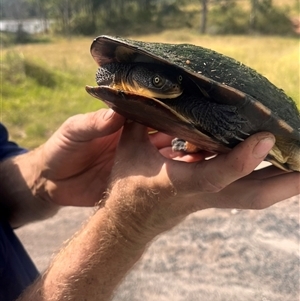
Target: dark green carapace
(215,103)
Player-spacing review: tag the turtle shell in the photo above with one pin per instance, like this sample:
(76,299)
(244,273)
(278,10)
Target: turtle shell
(229,87)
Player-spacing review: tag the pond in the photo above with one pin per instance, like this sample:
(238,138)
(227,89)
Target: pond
(30,26)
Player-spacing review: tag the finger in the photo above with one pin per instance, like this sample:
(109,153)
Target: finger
(275,189)
(260,194)
(160,140)
(241,161)
(85,127)
(267,172)
(215,174)
(167,152)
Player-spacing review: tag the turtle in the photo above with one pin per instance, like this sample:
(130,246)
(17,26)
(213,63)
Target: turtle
(207,100)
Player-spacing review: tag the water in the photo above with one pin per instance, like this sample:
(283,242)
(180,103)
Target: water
(30,26)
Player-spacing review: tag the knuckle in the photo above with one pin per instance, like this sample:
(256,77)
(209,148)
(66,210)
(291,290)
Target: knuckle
(208,181)
(71,121)
(92,121)
(239,169)
(68,125)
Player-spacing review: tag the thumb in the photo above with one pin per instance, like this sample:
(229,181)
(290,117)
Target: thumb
(85,127)
(241,161)
(134,132)
(135,153)
(134,140)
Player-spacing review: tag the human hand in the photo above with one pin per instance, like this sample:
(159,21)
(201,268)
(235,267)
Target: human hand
(151,193)
(77,160)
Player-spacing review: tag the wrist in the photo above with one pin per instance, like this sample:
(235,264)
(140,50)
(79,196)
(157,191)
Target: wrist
(23,189)
(38,184)
(140,211)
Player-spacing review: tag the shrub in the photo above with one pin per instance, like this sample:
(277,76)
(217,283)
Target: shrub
(273,20)
(227,18)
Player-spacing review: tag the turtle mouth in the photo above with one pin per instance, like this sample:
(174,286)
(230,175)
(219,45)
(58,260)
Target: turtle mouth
(171,90)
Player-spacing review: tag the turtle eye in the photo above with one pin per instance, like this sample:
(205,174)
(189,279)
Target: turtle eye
(157,81)
(180,78)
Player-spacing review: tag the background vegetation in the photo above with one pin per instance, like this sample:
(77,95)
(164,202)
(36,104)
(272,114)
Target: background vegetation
(43,84)
(125,17)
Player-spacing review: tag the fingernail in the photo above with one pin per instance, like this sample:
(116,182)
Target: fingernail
(263,147)
(108,114)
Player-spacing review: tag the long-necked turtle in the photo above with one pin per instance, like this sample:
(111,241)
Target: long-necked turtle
(196,94)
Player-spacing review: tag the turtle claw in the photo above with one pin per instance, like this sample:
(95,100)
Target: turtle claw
(222,139)
(238,138)
(244,133)
(240,132)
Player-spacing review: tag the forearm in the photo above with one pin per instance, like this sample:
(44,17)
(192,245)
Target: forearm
(98,257)
(22,195)
(92,264)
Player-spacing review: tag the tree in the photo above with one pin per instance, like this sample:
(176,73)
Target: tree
(42,9)
(204,11)
(253,14)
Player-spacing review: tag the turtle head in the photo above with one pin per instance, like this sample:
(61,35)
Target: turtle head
(150,80)
(154,81)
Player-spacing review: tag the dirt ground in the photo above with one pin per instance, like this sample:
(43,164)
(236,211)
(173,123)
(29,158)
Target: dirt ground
(214,255)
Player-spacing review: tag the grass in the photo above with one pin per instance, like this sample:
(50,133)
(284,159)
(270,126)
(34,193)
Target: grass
(43,84)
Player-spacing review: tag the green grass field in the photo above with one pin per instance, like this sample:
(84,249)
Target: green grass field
(43,84)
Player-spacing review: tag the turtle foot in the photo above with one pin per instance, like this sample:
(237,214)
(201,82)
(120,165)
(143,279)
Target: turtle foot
(180,145)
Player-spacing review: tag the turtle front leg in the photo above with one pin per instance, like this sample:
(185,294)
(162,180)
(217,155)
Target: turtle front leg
(223,122)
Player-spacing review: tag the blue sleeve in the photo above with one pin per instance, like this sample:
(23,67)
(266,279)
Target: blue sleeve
(8,148)
(17,271)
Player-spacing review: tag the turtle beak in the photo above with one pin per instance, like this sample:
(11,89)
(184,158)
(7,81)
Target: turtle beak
(154,114)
